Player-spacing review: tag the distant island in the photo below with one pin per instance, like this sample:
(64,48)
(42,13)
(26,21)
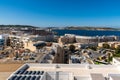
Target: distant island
(63,28)
(18,26)
(89,28)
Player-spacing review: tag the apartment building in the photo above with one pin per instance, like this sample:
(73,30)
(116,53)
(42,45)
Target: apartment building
(67,38)
(3,40)
(53,54)
(59,56)
(71,38)
(39,35)
(114,44)
(89,39)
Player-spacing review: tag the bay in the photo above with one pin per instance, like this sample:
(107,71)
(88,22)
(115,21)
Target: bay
(87,32)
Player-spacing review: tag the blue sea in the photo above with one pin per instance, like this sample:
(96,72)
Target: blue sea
(87,32)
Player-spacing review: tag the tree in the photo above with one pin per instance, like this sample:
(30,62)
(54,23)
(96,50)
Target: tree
(93,48)
(72,48)
(105,45)
(117,51)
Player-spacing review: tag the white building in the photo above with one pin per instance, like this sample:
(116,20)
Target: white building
(66,72)
(3,39)
(90,39)
(67,38)
(116,61)
(85,45)
(42,38)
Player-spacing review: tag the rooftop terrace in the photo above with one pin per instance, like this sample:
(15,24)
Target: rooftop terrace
(71,71)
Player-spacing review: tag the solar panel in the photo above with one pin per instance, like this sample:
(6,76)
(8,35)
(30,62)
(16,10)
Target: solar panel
(27,75)
(42,72)
(30,72)
(17,72)
(38,72)
(34,72)
(25,68)
(22,78)
(25,72)
(33,78)
(28,78)
(12,78)
(21,71)
(38,78)
(18,77)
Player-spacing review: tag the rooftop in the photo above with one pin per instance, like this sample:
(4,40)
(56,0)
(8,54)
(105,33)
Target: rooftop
(115,77)
(97,76)
(117,58)
(80,71)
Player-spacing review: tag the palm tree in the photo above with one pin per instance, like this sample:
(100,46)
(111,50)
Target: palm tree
(106,45)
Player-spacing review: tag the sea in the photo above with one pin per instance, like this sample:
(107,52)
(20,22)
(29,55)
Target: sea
(87,32)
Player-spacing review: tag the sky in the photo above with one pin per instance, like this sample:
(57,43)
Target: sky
(60,13)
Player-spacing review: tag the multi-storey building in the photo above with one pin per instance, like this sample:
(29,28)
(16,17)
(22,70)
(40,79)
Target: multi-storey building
(88,39)
(3,39)
(68,38)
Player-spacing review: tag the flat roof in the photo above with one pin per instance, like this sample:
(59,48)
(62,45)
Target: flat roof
(77,69)
(117,58)
(82,71)
(9,67)
(96,76)
(86,37)
(115,77)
